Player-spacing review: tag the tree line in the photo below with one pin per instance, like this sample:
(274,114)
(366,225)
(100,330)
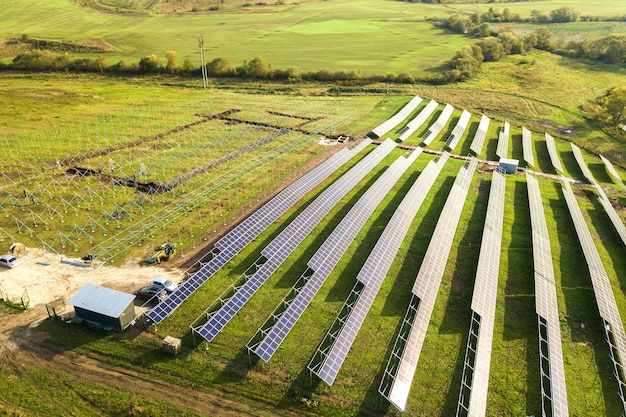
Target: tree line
(494,45)
(258,68)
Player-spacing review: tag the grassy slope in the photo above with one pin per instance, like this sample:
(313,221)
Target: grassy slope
(348,35)
(373,36)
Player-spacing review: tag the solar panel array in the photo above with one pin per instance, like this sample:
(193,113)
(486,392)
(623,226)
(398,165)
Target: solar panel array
(395,120)
(333,350)
(581,163)
(325,260)
(238,238)
(418,120)
(607,306)
(554,393)
(527,147)
(458,130)
(475,380)
(611,170)
(439,124)
(285,243)
(398,378)
(554,155)
(481,134)
(604,200)
(503,141)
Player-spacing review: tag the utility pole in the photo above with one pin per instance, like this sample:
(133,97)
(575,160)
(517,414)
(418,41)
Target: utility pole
(205,81)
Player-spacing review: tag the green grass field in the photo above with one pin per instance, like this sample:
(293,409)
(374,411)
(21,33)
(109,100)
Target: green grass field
(372,36)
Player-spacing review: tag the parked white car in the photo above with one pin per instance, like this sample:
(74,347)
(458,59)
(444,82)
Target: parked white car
(9,261)
(164,283)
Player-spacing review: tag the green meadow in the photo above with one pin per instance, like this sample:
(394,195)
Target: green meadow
(371,36)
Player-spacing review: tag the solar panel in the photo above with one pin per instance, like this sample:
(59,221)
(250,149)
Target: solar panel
(395,120)
(610,211)
(326,258)
(439,124)
(611,170)
(426,287)
(554,155)
(283,245)
(339,351)
(372,275)
(481,134)
(581,163)
(554,391)
(249,229)
(419,120)
(607,306)
(503,141)
(458,130)
(604,200)
(527,145)
(475,380)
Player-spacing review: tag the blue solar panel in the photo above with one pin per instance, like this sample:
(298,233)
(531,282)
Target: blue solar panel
(257,223)
(283,245)
(374,271)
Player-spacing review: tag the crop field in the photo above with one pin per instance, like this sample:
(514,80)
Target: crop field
(370,36)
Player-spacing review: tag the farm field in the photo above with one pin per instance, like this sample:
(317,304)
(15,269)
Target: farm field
(370,36)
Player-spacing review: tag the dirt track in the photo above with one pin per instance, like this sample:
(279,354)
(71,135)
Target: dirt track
(22,345)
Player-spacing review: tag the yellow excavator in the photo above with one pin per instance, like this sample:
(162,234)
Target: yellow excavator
(164,253)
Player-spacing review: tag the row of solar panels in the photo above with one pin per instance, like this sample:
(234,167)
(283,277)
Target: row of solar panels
(332,355)
(244,233)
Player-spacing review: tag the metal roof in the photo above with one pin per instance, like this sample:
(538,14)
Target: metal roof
(102,300)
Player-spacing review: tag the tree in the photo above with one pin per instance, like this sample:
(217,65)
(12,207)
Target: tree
(511,43)
(615,51)
(218,67)
(615,104)
(258,68)
(537,16)
(187,66)
(565,14)
(172,62)
(492,48)
(465,64)
(544,38)
(149,64)
(483,30)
